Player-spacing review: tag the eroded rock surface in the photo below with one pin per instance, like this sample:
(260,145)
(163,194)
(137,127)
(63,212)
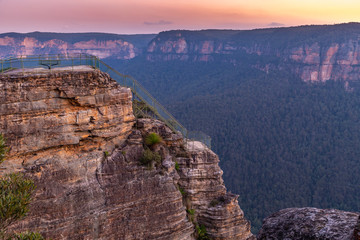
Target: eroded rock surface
(310,223)
(75,135)
(205,192)
(199,179)
(61,110)
(357,231)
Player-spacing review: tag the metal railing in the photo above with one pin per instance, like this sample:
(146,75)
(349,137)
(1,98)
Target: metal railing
(37,62)
(22,64)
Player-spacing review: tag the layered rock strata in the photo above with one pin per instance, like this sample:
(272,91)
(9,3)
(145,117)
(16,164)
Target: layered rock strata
(310,223)
(45,111)
(205,192)
(199,179)
(311,60)
(75,135)
(117,48)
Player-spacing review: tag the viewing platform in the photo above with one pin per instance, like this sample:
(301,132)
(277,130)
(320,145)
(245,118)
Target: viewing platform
(144,104)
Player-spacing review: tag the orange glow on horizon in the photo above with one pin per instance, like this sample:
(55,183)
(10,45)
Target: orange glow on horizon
(152,16)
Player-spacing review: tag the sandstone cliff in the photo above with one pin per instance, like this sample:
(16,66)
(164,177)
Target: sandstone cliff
(311,223)
(103,45)
(314,53)
(74,133)
(103,49)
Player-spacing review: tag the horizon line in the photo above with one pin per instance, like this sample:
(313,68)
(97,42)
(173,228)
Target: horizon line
(190,30)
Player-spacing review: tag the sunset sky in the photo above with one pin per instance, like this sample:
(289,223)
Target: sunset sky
(153,16)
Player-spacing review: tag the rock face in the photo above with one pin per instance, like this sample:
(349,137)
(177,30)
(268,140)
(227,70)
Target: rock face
(317,57)
(201,180)
(102,45)
(44,112)
(180,45)
(357,231)
(75,135)
(310,223)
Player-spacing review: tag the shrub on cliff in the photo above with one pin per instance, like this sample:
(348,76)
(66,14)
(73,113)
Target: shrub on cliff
(149,156)
(26,236)
(202,233)
(15,197)
(152,139)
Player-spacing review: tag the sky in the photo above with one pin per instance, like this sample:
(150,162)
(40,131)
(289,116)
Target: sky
(153,16)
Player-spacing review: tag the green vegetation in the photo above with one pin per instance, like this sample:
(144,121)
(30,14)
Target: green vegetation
(182,191)
(15,197)
(282,142)
(149,156)
(191,211)
(177,167)
(202,233)
(152,138)
(106,153)
(26,236)
(191,215)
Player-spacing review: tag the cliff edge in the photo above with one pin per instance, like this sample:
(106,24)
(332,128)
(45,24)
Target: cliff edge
(75,135)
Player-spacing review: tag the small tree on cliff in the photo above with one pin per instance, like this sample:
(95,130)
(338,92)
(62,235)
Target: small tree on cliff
(15,196)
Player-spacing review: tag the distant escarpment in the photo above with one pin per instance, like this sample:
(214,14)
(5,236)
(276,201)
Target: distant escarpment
(311,223)
(314,53)
(123,47)
(75,135)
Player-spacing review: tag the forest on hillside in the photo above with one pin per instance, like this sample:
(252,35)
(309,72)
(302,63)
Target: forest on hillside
(282,142)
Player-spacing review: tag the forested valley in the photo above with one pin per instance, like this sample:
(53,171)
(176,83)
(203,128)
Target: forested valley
(282,142)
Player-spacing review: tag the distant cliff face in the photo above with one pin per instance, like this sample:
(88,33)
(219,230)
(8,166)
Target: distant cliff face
(74,133)
(118,49)
(339,61)
(315,57)
(314,53)
(178,47)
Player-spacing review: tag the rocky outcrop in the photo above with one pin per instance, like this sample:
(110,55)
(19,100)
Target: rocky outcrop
(310,223)
(357,231)
(44,112)
(205,192)
(74,134)
(201,184)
